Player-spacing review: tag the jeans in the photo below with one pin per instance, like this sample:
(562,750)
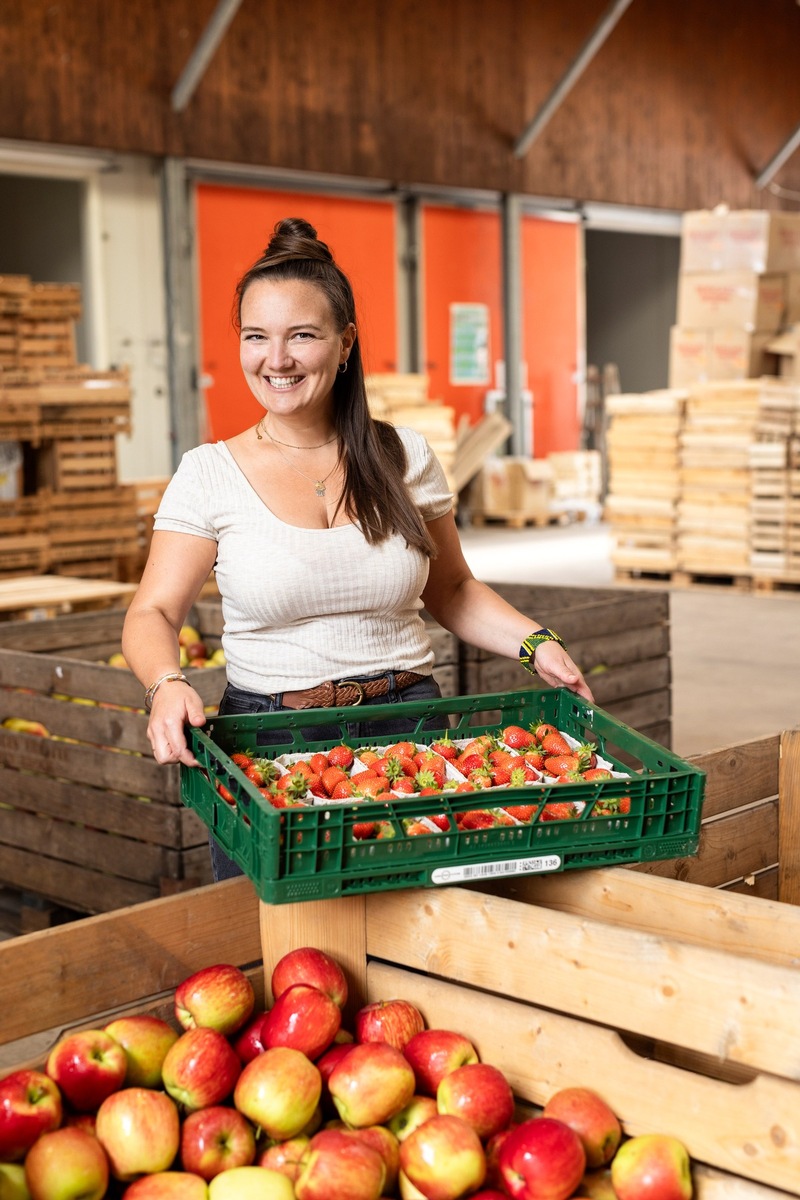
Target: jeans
(237,702)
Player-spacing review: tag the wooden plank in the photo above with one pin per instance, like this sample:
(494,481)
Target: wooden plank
(789,822)
(65,883)
(738,775)
(108,727)
(632,679)
(118,958)
(752,1130)
(731,847)
(724,920)
(701,998)
(30,592)
(130,773)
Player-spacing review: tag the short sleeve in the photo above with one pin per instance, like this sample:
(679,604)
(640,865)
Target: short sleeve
(184,505)
(425,476)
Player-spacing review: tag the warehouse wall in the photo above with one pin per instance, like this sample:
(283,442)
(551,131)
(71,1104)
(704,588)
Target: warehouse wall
(682,106)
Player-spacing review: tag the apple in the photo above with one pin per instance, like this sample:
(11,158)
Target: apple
(419,1109)
(20,725)
(336,1166)
(284,1156)
(216,1139)
(139,1130)
(250,1183)
(652,1166)
(145,1040)
(596,1185)
(434,1053)
(219,997)
(489,1194)
(118,659)
(201,1068)
(279,1091)
(87,1066)
(196,649)
(85,1121)
(384,1141)
(542,1159)
(371,1084)
(309,965)
(248,1041)
(187,634)
(443,1158)
(492,1149)
(304,1018)
(30,1104)
(12,1182)
(481,1095)
(66,1164)
(392,1021)
(167,1185)
(588,1114)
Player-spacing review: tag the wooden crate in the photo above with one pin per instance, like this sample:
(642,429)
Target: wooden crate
(82,402)
(92,526)
(676,1002)
(619,638)
(95,822)
(77,464)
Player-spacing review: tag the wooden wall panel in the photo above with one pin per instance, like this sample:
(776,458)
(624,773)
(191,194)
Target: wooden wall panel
(683,105)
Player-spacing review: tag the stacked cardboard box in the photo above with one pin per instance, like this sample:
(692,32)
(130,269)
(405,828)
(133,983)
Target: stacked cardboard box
(642,443)
(739,283)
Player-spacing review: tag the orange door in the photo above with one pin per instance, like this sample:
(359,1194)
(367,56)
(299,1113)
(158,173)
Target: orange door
(462,305)
(233,227)
(552,320)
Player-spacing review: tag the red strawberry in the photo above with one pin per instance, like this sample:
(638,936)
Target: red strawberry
(441,821)
(317,787)
(465,786)
(521,774)
(560,764)
(404,785)
(523,812)
(480,778)
(343,789)
(595,773)
(612,807)
(480,745)
(542,730)
(367,784)
(365,829)
(403,750)
(241,759)
(254,774)
(293,783)
(555,743)
(226,795)
(428,781)
(415,828)
(586,756)
(558,811)
(341,756)
(516,737)
(469,761)
(445,747)
(331,776)
(368,757)
(534,758)
(318,763)
(477,819)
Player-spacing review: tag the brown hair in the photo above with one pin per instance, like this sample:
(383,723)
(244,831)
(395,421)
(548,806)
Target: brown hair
(374,458)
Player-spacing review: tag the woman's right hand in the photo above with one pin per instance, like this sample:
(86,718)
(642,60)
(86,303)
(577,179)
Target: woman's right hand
(175,705)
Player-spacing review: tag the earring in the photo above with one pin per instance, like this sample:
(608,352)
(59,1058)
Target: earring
(342,367)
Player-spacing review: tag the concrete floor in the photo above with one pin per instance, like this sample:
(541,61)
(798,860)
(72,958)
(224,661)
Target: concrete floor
(735,655)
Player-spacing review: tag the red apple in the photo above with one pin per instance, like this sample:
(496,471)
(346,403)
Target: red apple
(489,1194)
(284,1156)
(492,1149)
(30,1104)
(392,1021)
(542,1159)
(308,965)
(85,1121)
(371,1084)
(139,1130)
(304,1018)
(167,1185)
(327,1061)
(12,1182)
(145,1040)
(250,1183)
(418,1109)
(219,997)
(201,1068)
(66,1164)
(653,1166)
(336,1166)
(248,1043)
(384,1141)
(591,1118)
(279,1091)
(216,1139)
(434,1053)
(196,650)
(481,1095)
(87,1067)
(443,1159)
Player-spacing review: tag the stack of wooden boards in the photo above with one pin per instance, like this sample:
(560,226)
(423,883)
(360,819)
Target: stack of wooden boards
(704,480)
(63,510)
(403,399)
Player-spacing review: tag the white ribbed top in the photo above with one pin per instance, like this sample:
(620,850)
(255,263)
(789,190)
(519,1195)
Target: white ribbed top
(304,605)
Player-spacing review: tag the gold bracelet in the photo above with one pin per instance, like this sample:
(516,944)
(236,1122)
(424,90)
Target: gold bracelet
(170,677)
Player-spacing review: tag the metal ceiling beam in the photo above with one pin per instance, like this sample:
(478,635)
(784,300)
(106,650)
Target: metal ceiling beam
(203,52)
(774,165)
(573,73)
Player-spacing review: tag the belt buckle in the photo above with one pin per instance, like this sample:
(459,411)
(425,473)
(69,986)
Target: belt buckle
(353,683)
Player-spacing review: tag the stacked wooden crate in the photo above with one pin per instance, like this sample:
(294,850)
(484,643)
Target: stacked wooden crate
(714,505)
(577,477)
(775,485)
(642,444)
(403,399)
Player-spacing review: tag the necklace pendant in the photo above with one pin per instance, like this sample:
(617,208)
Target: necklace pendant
(319,487)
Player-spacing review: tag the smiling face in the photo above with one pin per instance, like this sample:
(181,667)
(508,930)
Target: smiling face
(290,348)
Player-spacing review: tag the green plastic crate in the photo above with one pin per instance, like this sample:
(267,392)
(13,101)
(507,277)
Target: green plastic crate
(310,853)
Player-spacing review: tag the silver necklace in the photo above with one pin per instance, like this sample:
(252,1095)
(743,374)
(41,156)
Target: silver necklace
(272,438)
(319,484)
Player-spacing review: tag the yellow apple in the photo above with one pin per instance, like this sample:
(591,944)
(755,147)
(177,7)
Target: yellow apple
(117,660)
(250,1183)
(218,659)
(188,634)
(19,725)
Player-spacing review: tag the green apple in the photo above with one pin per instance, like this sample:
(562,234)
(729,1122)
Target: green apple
(12,1182)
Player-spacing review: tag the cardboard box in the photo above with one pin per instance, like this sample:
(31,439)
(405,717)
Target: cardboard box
(520,487)
(734,299)
(743,240)
(704,355)
(792,313)
(787,347)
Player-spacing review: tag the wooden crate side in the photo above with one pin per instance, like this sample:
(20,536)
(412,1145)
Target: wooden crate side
(739,775)
(789,826)
(130,773)
(731,848)
(70,885)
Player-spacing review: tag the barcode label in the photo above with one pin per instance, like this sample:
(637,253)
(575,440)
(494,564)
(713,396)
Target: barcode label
(508,866)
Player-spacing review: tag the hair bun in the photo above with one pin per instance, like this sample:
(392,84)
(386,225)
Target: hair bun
(295,238)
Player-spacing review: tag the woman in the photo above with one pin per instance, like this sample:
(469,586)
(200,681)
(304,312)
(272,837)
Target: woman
(328,532)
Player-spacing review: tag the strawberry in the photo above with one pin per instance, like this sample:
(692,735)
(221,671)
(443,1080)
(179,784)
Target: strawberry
(612,807)
(403,750)
(293,783)
(319,763)
(317,787)
(331,776)
(480,778)
(415,828)
(586,756)
(386,830)
(441,821)
(341,756)
(521,773)
(445,747)
(428,781)
(365,829)
(535,759)
(368,757)
(480,745)
(502,817)
(595,773)
(253,772)
(555,743)
(343,789)
(516,737)
(242,759)
(286,800)
(523,812)
(465,786)
(404,785)
(226,795)
(469,761)
(368,785)
(575,776)
(558,811)
(560,764)
(542,730)
(477,819)
(302,766)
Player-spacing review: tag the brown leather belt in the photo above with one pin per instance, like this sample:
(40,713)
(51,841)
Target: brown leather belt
(347,692)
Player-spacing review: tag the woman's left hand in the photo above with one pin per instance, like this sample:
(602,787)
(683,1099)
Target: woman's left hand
(555,667)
